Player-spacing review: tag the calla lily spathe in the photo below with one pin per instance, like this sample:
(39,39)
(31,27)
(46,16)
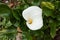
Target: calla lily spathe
(33,17)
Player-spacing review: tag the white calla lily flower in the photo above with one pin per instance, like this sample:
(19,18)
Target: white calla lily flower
(33,16)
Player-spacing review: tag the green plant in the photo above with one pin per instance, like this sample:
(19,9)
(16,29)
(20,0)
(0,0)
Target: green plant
(11,18)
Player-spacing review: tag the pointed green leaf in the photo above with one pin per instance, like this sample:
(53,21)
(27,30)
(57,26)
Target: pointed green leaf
(52,28)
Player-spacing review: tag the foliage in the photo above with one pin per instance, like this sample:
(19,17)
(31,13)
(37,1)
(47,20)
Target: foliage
(11,18)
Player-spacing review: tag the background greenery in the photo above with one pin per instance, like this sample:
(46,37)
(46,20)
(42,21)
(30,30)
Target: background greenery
(11,18)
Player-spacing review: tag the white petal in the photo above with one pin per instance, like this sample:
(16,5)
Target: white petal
(37,24)
(35,13)
(32,12)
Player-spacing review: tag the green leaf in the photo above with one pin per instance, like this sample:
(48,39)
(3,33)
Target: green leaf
(8,24)
(16,14)
(47,37)
(3,22)
(57,4)
(48,5)
(47,12)
(4,10)
(36,2)
(58,17)
(17,24)
(52,28)
(27,36)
